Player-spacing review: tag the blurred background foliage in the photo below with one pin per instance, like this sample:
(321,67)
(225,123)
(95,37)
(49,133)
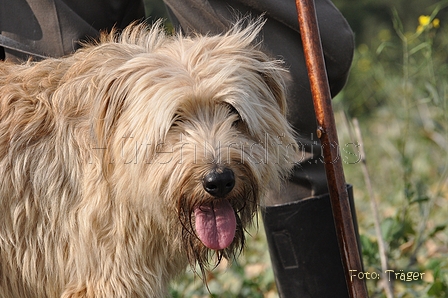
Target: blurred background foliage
(370,17)
(373,22)
(398,92)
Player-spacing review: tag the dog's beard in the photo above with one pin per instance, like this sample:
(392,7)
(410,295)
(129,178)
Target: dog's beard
(243,201)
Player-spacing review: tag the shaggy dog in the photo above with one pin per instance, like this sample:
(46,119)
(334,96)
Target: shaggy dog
(134,157)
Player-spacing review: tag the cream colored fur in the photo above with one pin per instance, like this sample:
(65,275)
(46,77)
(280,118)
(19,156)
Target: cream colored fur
(102,155)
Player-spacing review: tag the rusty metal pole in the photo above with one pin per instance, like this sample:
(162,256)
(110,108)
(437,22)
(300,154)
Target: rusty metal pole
(348,246)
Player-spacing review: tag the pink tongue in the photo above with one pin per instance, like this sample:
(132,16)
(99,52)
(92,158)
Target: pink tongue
(216,226)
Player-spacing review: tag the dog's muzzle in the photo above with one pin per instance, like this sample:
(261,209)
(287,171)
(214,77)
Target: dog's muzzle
(219,183)
(215,221)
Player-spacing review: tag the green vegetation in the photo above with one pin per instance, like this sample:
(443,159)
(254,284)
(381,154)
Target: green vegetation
(398,90)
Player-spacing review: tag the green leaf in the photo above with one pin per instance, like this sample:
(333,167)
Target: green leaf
(419,200)
(437,229)
(437,289)
(419,48)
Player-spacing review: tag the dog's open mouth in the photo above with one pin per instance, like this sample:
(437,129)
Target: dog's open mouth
(215,224)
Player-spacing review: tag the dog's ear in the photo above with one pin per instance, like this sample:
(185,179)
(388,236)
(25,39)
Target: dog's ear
(248,34)
(276,78)
(107,109)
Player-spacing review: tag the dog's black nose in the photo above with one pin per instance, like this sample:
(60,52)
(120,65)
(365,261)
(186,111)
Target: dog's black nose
(219,182)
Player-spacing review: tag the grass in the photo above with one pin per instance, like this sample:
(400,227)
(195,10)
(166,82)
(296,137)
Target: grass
(398,91)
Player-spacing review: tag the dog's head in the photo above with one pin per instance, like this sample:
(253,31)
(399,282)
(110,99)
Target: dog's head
(197,124)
